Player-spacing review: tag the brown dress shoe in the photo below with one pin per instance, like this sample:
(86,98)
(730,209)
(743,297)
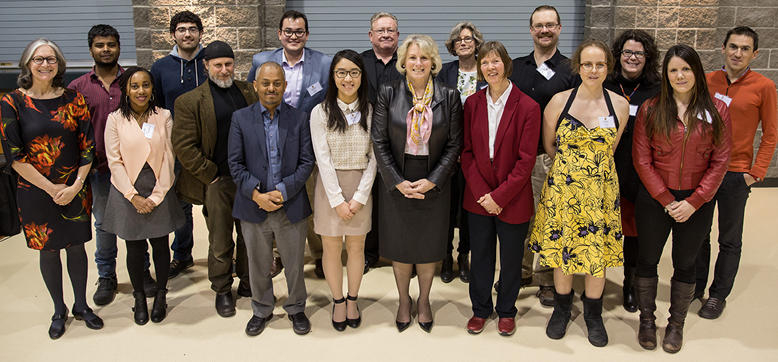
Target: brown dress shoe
(277,267)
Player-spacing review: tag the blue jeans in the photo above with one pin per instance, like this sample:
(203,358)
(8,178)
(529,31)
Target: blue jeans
(105,253)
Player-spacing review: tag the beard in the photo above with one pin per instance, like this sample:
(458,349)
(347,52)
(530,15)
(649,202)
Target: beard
(222,83)
(107,65)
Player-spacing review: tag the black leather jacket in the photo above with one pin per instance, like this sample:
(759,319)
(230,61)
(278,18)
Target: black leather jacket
(389,132)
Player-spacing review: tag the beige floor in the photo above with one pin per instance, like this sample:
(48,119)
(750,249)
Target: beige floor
(747,330)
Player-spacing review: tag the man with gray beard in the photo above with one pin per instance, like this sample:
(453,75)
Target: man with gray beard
(200,132)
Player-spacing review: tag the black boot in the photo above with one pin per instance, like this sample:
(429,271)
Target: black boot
(141,309)
(447,269)
(557,324)
(159,310)
(598,336)
(628,290)
(681,295)
(645,289)
(464,268)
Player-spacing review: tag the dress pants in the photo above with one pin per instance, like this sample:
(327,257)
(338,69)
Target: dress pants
(314,239)
(458,217)
(217,209)
(544,275)
(484,232)
(731,198)
(290,239)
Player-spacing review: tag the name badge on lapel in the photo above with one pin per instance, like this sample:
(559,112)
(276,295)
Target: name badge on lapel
(607,122)
(633,110)
(148,130)
(314,88)
(723,98)
(708,118)
(545,71)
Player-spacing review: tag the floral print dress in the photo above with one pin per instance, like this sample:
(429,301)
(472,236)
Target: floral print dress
(55,137)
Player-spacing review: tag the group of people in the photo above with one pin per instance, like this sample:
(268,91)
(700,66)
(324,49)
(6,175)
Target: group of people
(588,162)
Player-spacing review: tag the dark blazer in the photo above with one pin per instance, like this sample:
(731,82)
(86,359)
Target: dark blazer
(449,74)
(194,139)
(507,176)
(389,132)
(248,160)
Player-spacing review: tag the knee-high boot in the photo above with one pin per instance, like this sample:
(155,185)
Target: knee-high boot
(646,297)
(681,295)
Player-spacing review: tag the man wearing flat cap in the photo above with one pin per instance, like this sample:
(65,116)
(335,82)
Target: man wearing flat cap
(200,132)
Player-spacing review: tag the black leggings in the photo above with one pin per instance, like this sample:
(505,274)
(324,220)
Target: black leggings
(51,270)
(654,226)
(136,260)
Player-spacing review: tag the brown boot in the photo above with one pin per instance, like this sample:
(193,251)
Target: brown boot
(645,288)
(681,295)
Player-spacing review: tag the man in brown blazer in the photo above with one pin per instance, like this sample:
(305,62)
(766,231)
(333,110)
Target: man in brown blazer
(200,132)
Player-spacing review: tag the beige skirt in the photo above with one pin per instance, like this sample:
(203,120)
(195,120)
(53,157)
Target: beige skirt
(326,221)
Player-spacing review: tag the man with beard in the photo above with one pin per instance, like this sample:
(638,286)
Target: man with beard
(380,68)
(101,89)
(540,75)
(199,137)
(175,74)
(306,72)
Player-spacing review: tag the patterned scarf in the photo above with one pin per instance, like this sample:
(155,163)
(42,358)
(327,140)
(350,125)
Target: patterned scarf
(419,119)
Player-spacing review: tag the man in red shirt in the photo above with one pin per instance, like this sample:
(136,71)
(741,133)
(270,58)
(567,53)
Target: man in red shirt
(751,98)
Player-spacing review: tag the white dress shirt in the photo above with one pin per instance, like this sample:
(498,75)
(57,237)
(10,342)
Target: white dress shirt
(495,109)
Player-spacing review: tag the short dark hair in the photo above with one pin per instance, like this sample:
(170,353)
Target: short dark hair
(651,68)
(102,30)
(496,47)
(185,16)
(743,30)
(292,14)
(545,7)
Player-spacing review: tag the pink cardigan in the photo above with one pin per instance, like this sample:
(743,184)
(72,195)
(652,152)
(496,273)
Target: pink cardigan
(127,150)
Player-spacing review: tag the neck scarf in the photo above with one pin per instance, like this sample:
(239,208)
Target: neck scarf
(419,119)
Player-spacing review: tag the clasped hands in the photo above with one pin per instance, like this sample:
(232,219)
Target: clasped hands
(416,189)
(347,210)
(63,194)
(680,211)
(142,204)
(489,205)
(268,201)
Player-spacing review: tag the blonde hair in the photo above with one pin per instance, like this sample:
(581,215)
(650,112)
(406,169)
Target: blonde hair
(427,46)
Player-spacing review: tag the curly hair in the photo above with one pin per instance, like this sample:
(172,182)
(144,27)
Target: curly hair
(650,72)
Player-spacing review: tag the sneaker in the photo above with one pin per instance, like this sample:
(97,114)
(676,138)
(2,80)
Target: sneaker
(106,291)
(713,308)
(177,266)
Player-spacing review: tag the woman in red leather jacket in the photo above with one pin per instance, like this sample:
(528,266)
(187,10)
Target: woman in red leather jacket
(680,150)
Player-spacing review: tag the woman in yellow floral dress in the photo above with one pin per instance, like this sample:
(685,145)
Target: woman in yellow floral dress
(48,141)
(577,226)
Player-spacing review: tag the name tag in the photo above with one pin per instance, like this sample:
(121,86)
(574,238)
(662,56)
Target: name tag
(484,86)
(353,118)
(708,118)
(633,110)
(545,71)
(314,88)
(723,98)
(148,130)
(607,122)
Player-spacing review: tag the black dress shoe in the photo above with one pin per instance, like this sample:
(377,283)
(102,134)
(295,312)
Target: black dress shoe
(367,267)
(159,310)
(426,326)
(141,309)
(277,267)
(402,326)
(149,285)
(525,281)
(89,317)
(300,323)
(447,269)
(178,266)
(106,291)
(353,323)
(244,289)
(319,270)
(256,325)
(339,326)
(464,268)
(225,305)
(57,328)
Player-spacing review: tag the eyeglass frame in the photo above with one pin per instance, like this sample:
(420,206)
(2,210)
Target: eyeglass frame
(549,26)
(592,66)
(629,53)
(39,60)
(299,33)
(191,30)
(382,31)
(348,73)
(466,39)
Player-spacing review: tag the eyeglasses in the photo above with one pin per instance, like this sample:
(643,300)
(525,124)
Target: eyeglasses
(297,32)
(626,53)
(549,26)
(40,60)
(387,31)
(191,29)
(467,40)
(589,66)
(342,73)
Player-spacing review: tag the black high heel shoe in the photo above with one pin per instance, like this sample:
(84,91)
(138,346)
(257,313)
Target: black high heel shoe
(425,326)
(57,328)
(353,323)
(159,310)
(401,326)
(91,319)
(141,310)
(339,326)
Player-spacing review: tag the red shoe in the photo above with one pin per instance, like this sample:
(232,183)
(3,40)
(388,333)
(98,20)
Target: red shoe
(506,326)
(475,325)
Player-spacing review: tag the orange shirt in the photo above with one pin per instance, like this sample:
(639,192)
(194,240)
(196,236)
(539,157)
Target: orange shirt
(753,100)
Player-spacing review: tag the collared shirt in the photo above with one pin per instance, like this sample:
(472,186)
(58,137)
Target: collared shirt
(294,79)
(378,72)
(495,110)
(273,151)
(101,103)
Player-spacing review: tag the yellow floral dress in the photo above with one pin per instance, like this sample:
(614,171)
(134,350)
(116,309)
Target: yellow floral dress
(578,221)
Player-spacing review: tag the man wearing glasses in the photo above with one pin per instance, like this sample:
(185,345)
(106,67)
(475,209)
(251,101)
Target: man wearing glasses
(175,74)
(306,72)
(540,75)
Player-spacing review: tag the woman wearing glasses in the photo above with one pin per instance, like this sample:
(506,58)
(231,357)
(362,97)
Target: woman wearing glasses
(463,42)
(48,141)
(635,76)
(340,133)
(578,224)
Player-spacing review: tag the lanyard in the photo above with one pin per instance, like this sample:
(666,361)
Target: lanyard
(631,94)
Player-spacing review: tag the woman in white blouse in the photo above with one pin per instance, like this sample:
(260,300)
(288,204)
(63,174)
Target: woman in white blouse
(340,132)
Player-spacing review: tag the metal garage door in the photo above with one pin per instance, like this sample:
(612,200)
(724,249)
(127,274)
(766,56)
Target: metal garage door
(336,25)
(67,23)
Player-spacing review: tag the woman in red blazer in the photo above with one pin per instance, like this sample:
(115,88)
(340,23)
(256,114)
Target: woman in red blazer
(502,126)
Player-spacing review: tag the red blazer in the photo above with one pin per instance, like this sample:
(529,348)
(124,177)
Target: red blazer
(507,177)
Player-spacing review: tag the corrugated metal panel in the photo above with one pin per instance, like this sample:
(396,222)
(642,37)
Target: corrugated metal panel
(336,25)
(66,22)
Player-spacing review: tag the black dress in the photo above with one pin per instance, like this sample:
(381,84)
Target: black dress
(55,137)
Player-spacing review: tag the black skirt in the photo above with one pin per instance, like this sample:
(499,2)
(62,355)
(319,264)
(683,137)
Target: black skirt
(414,231)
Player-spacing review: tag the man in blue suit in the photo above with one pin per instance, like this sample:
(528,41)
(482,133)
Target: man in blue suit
(270,157)
(306,71)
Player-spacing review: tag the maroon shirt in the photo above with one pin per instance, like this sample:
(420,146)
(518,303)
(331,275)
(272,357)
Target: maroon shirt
(101,103)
